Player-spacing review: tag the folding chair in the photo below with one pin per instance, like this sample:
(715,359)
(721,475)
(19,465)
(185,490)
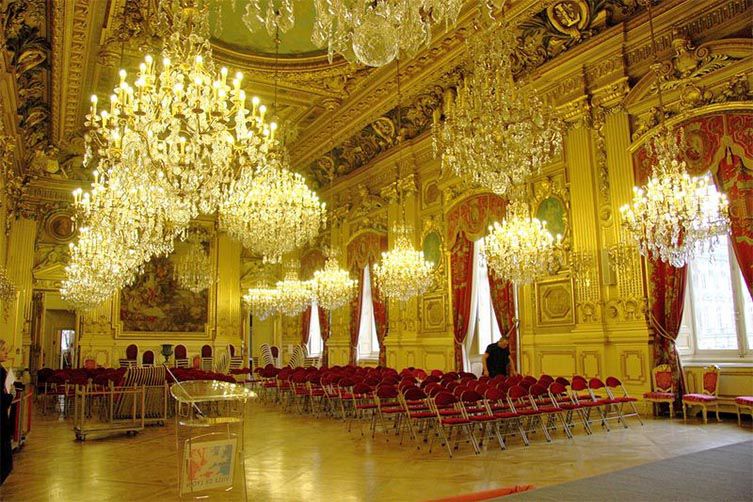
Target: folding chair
(617,392)
(447,426)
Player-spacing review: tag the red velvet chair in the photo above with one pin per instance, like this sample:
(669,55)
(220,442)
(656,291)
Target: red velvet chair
(181,356)
(744,405)
(132,353)
(207,362)
(664,389)
(707,396)
(147,358)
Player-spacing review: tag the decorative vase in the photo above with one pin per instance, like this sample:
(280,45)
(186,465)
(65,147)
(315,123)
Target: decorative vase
(167,351)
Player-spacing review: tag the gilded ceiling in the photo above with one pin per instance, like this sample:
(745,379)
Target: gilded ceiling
(340,117)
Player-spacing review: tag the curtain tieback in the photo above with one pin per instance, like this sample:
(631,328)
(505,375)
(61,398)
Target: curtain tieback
(659,328)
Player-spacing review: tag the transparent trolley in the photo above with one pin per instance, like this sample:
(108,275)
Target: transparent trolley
(209,428)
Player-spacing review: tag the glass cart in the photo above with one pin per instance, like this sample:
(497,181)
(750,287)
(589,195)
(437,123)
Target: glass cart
(209,429)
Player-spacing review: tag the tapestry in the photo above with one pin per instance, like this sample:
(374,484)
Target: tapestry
(156,303)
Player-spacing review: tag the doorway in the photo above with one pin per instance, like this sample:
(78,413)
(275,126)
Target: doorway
(67,348)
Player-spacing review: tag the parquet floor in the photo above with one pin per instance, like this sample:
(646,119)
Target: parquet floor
(302,458)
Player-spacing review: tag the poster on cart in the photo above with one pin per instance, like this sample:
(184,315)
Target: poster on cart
(209,465)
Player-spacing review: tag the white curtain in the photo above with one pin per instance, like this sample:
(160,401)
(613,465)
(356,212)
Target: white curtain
(469,336)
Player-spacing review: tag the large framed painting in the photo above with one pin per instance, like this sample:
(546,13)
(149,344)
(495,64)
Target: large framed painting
(155,303)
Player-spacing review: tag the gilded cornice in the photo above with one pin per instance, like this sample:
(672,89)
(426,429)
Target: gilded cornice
(72,26)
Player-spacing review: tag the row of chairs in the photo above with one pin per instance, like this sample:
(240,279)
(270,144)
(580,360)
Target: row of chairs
(204,361)
(452,407)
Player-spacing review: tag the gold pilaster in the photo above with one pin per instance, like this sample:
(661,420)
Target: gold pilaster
(19,263)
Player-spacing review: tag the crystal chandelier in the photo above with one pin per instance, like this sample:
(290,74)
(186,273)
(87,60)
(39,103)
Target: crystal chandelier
(268,14)
(193,269)
(333,285)
(371,32)
(520,249)
(295,295)
(271,211)
(403,272)
(675,215)
(118,234)
(185,124)
(262,301)
(497,132)
(374,32)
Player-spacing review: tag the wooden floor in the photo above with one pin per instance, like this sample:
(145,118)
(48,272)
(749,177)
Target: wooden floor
(302,458)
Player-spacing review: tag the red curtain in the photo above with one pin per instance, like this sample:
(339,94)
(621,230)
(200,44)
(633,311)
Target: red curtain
(324,328)
(737,183)
(461,266)
(380,319)
(503,300)
(305,326)
(667,305)
(355,319)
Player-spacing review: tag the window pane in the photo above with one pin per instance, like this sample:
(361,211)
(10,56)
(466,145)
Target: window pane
(315,334)
(367,331)
(686,327)
(713,300)
(748,311)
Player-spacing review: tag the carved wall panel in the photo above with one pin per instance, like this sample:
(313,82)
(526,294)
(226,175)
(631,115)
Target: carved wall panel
(590,363)
(433,313)
(557,362)
(555,304)
(633,366)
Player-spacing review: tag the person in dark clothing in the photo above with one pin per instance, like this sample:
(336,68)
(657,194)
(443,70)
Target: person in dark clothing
(496,359)
(6,459)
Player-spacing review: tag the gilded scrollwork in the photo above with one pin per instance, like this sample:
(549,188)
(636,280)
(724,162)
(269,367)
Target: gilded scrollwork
(381,134)
(24,36)
(564,24)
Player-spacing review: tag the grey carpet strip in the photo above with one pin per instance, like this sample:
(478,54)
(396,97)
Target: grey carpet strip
(718,474)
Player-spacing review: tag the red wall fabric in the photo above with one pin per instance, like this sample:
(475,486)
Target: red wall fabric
(305,325)
(461,266)
(503,301)
(734,179)
(667,305)
(355,319)
(324,328)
